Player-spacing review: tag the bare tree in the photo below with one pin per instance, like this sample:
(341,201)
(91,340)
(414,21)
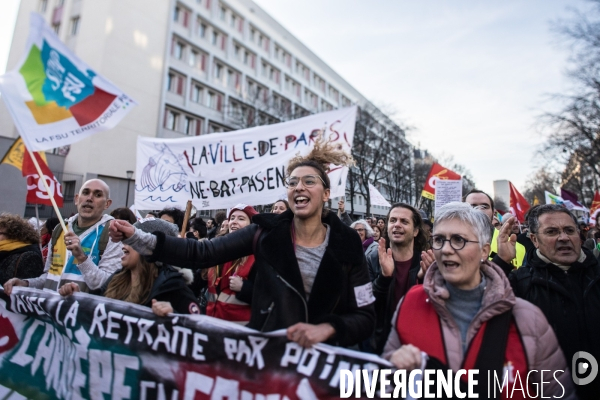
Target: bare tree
(536,186)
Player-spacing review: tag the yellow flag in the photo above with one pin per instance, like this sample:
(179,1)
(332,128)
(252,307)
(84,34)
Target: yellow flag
(536,201)
(14,155)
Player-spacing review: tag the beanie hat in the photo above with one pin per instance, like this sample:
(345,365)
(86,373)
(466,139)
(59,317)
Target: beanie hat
(154,224)
(248,210)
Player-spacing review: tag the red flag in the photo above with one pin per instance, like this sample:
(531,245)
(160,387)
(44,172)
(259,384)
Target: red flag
(518,204)
(36,191)
(437,172)
(595,204)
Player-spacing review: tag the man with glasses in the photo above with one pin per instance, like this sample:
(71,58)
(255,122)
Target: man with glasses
(482,201)
(563,280)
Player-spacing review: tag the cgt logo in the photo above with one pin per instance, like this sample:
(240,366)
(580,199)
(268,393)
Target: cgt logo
(583,363)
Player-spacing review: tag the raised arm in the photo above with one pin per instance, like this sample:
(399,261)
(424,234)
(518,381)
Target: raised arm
(187,253)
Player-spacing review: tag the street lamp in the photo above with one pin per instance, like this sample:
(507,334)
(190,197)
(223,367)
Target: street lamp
(129,176)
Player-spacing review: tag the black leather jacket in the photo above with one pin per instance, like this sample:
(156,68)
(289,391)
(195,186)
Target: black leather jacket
(279,300)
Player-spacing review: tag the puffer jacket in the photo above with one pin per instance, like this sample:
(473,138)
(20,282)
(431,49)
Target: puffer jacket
(341,294)
(538,338)
(571,303)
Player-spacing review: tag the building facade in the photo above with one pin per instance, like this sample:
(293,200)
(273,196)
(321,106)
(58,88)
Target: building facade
(194,66)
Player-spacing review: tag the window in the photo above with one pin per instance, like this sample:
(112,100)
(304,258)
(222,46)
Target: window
(346,102)
(252,34)
(222,13)
(319,83)
(215,38)
(181,15)
(256,92)
(270,72)
(201,28)
(197,60)
(175,83)
(218,71)
(178,49)
(68,191)
(197,93)
(292,86)
(334,94)
(74,26)
(325,106)
(56,28)
(311,99)
(233,20)
(171,119)
(233,80)
(214,128)
(302,70)
(43,6)
(192,126)
(215,100)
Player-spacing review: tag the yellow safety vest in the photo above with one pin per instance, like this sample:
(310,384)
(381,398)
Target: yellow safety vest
(518,260)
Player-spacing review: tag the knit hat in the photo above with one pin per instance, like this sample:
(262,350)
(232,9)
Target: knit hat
(248,210)
(154,224)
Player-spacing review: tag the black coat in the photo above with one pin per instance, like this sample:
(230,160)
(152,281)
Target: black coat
(23,263)
(279,300)
(384,291)
(571,303)
(169,286)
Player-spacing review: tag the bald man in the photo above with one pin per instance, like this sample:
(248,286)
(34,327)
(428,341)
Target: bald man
(83,254)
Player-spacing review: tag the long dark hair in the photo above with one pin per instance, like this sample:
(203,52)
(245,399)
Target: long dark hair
(421,242)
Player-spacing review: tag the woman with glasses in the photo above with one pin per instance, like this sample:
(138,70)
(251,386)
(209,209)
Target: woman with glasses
(309,274)
(466,316)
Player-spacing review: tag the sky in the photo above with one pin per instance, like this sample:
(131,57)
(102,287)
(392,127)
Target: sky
(470,78)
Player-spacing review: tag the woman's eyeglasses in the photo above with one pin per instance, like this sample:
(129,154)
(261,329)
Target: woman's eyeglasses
(308,181)
(457,242)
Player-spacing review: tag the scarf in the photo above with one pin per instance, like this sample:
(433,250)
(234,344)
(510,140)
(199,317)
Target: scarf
(10,245)
(366,244)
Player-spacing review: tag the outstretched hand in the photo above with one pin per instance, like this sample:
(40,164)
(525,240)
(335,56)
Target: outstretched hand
(120,230)
(507,241)
(386,261)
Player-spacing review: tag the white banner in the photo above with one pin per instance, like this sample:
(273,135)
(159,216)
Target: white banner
(377,198)
(220,170)
(447,191)
(54,98)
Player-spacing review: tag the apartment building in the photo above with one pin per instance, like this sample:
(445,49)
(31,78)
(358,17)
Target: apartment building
(194,66)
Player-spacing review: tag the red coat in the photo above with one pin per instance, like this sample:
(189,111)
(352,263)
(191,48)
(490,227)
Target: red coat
(222,301)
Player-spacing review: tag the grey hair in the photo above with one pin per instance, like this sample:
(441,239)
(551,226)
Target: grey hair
(472,216)
(533,219)
(369,232)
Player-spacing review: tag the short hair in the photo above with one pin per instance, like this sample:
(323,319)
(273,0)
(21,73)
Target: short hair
(368,229)
(125,214)
(199,225)
(174,213)
(475,191)
(534,215)
(472,216)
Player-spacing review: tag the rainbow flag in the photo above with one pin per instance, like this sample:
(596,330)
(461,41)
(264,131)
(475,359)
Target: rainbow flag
(54,98)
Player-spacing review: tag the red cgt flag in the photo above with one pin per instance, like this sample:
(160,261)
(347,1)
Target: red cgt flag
(36,191)
(437,172)
(518,204)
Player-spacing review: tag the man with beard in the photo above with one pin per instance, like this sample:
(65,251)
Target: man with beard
(84,254)
(399,264)
(563,280)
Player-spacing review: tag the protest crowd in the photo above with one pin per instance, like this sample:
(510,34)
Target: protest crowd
(458,293)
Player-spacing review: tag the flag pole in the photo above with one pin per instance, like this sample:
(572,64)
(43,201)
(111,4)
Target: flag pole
(186,218)
(37,217)
(50,194)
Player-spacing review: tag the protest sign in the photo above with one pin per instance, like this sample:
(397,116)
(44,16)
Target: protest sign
(447,191)
(246,166)
(90,347)
(54,98)
(377,198)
